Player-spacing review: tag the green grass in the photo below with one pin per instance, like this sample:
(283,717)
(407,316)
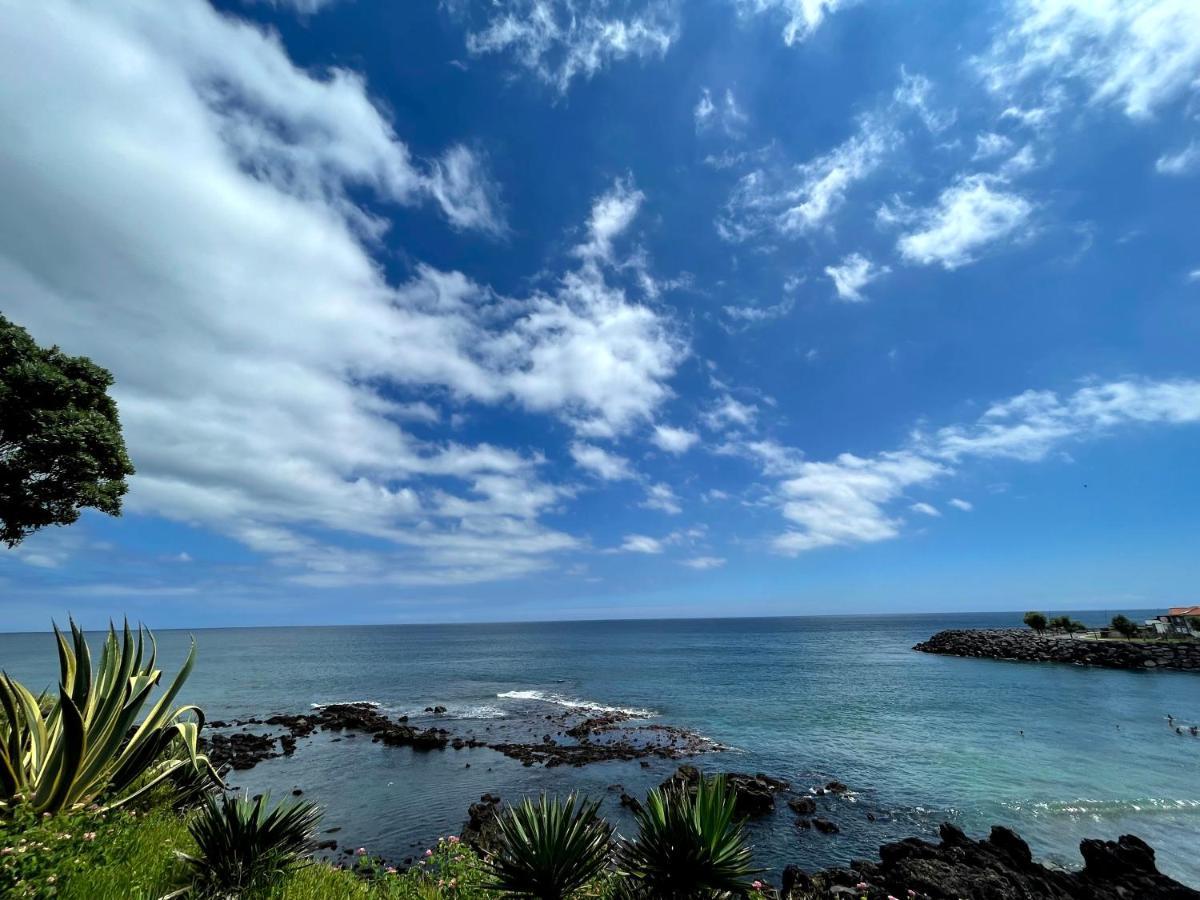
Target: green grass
(131,855)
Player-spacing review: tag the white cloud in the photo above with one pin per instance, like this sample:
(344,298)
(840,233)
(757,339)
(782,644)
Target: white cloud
(673,440)
(854,274)
(703,563)
(803,17)
(725,113)
(989,144)
(972,213)
(640,543)
(212,222)
(914,91)
(1184,162)
(803,198)
(600,462)
(1193,275)
(848,500)
(1028,426)
(560,40)
(1138,54)
(727,411)
(753,315)
(662,498)
(843,502)
(612,214)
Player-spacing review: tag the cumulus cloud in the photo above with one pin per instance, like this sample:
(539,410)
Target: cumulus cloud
(275,364)
(974,212)
(801,17)
(561,40)
(854,274)
(1139,55)
(600,462)
(1183,162)
(850,499)
(673,440)
(640,543)
(989,144)
(727,411)
(662,498)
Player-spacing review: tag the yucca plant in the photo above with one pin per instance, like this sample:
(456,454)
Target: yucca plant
(688,845)
(243,844)
(549,849)
(88,745)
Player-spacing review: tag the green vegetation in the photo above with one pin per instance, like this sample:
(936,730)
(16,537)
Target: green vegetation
(60,439)
(1124,626)
(689,844)
(244,844)
(549,850)
(1066,624)
(105,799)
(88,745)
(1036,621)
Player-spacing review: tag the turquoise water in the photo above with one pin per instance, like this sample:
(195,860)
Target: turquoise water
(919,738)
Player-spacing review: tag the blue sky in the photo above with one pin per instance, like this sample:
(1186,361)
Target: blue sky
(470,311)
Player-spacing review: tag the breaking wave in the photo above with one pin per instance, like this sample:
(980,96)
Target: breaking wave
(571,703)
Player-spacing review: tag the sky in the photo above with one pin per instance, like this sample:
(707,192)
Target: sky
(572,309)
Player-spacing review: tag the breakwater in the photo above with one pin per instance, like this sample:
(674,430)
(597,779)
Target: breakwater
(1028,646)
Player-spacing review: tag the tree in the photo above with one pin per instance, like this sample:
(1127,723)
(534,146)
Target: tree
(1061,623)
(1124,626)
(1036,621)
(61,449)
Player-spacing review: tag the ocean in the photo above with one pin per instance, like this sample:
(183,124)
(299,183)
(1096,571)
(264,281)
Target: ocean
(1057,752)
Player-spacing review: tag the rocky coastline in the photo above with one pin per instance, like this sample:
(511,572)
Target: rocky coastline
(999,867)
(1028,646)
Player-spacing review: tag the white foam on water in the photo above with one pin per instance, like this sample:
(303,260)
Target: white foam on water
(571,703)
(374,704)
(1101,809)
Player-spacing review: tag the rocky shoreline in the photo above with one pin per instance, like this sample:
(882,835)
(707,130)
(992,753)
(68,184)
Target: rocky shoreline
(571,737)
(999,867)
(1028,646)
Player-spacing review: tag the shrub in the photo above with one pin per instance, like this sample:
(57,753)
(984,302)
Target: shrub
(1124,626)
(1036,621)
(88,744)
(549,849)
(688,844)
(242,844)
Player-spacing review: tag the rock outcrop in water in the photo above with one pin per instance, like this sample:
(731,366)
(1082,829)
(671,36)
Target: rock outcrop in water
(997,868)
(1026,645)
(754,795)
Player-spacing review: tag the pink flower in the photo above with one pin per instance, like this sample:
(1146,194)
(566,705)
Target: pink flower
(454,839)
(911,892)
(89,835)
(890,897)
(861,886)
(428,853)
(391,870)
(757,885)
(7,851)
(361,851)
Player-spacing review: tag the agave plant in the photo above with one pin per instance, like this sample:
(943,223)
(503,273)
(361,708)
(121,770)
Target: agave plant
(88,745)
(688,845)
(244,844)
(549,849)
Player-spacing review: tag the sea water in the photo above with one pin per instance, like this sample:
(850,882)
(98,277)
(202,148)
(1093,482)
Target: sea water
(1057,752)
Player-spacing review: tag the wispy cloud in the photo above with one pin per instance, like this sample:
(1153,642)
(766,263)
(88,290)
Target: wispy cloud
(561,40)
(1182,162)
(801,17)
(854,274)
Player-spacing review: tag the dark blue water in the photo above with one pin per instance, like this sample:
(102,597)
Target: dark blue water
(919,738)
